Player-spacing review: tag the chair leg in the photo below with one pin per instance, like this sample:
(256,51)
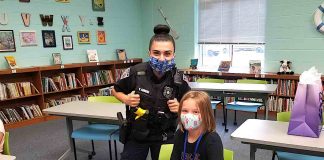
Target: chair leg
(74,149)
(110,156)
(273,155)
(225,122)
(235,122)
(115,145)
(224,116)
(93,149)
(256,115)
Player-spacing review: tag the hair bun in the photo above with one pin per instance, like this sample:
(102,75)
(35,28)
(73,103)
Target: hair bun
(161,29)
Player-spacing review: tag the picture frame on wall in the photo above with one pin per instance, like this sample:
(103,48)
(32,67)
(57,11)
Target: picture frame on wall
(48,38)
(84,37)
(57,58)
(67,42)
(101,37)
(98,5)
(28,38)
(7,41)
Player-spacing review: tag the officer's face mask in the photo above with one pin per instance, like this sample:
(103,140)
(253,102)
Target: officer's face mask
(190,121)
(161,66)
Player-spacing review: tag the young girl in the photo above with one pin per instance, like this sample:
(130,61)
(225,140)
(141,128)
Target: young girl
(196,139)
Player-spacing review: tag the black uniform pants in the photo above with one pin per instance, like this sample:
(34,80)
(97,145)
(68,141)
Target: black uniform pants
(134,150)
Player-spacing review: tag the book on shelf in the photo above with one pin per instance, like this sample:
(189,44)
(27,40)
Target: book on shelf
(121,54)
(57,58)
(92,55)
(224,66)
(11,62)
(255,66)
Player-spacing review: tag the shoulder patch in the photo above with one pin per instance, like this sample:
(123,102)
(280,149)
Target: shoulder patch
(125,73)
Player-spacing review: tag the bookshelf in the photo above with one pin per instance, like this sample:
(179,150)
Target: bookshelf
(24,89)
(280,101)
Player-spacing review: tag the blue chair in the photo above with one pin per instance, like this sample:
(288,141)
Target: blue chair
(98,131)
(244,105)
(214,103)
(285,117)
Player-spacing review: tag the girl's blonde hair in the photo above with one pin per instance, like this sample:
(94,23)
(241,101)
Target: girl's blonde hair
(204,104)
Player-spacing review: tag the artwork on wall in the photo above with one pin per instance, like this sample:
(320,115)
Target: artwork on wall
(121,54)
(98,5)
(7,41)
(57,58)
(46,20)
(67,42)
(48,38)
(65,27)
(92,55)
(28,38)
(3,18)
(101,37)
(26,19)
(84,37)
(11,62)
(82,18)
(100,21)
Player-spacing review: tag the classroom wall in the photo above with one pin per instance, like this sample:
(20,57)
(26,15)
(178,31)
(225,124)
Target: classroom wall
(122,23)
(291,34)
(181,15)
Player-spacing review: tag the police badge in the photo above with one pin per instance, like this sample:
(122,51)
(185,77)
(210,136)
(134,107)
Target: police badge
(167,92)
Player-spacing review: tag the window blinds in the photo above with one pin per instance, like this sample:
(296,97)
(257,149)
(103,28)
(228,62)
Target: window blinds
(232,21)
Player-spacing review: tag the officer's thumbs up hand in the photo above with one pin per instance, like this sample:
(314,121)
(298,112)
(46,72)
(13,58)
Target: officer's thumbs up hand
(132,99)
(173,105)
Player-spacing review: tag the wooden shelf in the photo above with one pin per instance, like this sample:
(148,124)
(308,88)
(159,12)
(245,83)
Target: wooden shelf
(63,90)
(101,85)
(35,74)
(10,99)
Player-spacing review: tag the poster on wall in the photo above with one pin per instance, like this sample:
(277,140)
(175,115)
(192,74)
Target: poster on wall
(63,1)
(7,41)
(101,37)
(84,37)
(98,5)
(28,38)
(67,42)
(48,38)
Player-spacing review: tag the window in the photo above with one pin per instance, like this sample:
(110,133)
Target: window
(231,30)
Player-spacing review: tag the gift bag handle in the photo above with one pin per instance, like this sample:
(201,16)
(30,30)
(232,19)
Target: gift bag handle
(321,106)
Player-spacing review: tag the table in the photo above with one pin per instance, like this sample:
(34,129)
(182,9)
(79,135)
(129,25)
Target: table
(272,135)
(86,111)
(237,90)
(7,157)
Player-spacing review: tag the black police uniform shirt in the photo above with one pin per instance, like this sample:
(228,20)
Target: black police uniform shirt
(154,93)
(209,148)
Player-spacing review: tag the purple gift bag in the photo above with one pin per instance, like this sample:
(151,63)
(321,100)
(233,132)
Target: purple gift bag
(306,116)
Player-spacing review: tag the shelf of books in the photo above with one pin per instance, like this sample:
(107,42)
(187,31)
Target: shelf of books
(25,92)
(282,100)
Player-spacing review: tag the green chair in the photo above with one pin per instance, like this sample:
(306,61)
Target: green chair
(98,131)
(6,149)
(285,117)
(166,151)
(214,103)
(244,105)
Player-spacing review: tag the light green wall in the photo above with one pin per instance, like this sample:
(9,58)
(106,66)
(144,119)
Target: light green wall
(122,23)
(291,34)
(181,15)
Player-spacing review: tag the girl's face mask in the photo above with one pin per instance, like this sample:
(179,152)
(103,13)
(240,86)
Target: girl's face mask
(161,66)
(190,121)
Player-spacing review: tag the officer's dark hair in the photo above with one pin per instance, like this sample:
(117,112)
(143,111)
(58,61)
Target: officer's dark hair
(161,34)
(203,102)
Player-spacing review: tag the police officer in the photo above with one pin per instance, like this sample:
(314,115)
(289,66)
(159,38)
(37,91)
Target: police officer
(152,90)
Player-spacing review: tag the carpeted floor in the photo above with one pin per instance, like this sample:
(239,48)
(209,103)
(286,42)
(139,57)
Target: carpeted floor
(48,141)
